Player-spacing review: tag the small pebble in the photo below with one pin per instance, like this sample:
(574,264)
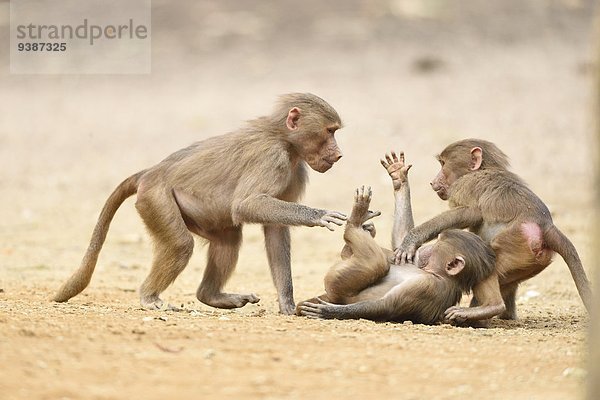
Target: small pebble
(210,353)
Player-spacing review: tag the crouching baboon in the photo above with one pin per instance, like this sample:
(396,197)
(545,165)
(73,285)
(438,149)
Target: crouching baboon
(495,204)
(365,285)
(211,188)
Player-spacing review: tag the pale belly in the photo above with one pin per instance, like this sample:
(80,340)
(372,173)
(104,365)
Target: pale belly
(397,275)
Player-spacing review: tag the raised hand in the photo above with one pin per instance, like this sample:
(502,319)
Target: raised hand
(396,168)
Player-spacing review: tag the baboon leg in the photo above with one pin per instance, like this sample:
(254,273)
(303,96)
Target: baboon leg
(518,257)
(509,295)
(365,262)
(367,265)
(277,244)
(173,243)
(368,227)
(222,258)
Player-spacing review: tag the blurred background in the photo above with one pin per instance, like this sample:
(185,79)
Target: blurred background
(410,75)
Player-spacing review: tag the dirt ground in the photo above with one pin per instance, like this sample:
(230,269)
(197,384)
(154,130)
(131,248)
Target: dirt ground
(411,75)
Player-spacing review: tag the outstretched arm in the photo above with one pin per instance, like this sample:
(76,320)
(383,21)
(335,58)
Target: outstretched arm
(264,209)
(403,301)
(403,217)
(374,310)
(258,199)
(458,218)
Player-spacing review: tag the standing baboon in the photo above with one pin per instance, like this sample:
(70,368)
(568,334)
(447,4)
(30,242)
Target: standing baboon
(365,285)
(211,188)
(495,203)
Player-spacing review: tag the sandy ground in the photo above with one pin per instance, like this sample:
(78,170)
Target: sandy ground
(518,76)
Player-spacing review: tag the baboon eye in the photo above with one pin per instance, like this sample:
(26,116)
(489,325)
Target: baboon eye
(331,130)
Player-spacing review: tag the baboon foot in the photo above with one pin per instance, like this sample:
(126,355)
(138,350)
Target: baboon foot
(227,300)
(155,303)
(508,315)
(287,308)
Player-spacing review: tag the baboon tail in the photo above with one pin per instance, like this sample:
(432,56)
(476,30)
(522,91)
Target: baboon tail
(81,278)
(558,242)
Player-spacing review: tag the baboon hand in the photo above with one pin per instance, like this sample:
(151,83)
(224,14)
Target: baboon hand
(329,219)
(459,315)
(396,168)
(456,314)
(407,250)
(321,310)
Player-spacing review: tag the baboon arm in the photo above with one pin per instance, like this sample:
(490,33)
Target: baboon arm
(397,304)
(478,313)
(457,218)
(375,310)
(487,293)
(265,209)
(403,216)
(257,198)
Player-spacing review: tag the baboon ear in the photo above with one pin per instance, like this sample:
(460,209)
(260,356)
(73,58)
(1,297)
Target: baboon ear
(476,158)
(455,266)
(292,119)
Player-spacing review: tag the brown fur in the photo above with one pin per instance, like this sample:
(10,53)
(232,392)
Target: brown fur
(376,290)
(364,285)
(213,187)
(497,205)
(431,290)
